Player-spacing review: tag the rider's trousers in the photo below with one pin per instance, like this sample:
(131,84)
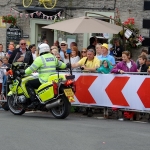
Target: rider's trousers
(30,86)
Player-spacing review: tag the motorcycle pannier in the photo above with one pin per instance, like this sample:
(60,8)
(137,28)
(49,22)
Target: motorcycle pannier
(46,91)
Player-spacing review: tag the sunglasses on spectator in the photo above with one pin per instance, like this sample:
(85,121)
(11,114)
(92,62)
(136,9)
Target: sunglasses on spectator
(23,44)
(63,44)
(83,51)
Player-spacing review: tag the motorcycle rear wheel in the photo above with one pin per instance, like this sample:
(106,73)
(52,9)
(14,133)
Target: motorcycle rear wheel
(62,111)
(14,108)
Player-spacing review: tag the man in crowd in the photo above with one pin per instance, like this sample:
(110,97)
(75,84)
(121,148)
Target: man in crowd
(105,55)
(21,54)
(56,43)
(117,50)
(92,43)
(63,48)
(89,63)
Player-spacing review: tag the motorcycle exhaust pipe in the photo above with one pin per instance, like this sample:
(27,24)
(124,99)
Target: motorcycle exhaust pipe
(54,104)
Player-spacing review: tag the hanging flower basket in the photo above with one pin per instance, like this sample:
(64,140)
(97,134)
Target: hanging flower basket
(9,19)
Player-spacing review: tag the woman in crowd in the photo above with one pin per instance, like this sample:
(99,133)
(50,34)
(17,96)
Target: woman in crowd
(32,48)
(66,59)
(84,53)
(57,55)
(74,55)
(54,47)
(98,49)
(126,65)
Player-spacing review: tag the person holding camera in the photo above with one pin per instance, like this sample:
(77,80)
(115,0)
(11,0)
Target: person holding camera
(89,63)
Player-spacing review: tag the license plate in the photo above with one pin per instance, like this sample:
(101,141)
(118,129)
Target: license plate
(68,92)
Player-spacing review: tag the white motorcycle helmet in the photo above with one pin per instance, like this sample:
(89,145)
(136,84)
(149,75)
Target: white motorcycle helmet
(44,48)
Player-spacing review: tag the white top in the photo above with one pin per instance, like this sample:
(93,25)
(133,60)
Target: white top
(66,61)
(2,54)
(2,73)
(129,64)
(74,59)
(34,56)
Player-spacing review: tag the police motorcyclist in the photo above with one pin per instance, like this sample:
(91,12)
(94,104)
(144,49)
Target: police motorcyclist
(45,65)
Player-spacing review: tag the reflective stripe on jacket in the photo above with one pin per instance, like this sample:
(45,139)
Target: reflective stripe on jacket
(45,65)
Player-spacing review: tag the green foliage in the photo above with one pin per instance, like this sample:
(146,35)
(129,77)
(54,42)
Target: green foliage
(133,40)
(9,19)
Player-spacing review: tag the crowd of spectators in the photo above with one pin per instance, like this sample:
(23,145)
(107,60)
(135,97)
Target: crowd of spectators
(97,57)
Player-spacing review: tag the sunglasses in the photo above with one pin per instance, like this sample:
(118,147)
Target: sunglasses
(83,51)
(63,44)
(22,43)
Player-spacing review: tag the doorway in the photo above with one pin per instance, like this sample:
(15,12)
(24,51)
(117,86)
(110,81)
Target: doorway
(38,33)
(45,34)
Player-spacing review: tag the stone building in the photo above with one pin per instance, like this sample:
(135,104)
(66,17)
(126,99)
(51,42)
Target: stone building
(138,9)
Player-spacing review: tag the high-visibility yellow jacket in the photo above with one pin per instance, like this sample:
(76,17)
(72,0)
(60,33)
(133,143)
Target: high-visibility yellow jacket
(45,65)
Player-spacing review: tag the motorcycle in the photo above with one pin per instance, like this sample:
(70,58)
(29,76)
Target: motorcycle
(55,95)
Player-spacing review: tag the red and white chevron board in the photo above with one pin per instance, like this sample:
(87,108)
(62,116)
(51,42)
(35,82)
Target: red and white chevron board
(122,91)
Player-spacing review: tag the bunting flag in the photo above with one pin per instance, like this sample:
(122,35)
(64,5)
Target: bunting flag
(141,38)
(26,15)
(21,14)
(37,14)
(31,15)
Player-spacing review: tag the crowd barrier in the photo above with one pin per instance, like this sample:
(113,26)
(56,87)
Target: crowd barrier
(126,91)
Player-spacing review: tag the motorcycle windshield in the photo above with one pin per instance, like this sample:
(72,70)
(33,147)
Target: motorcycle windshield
(24,58)
(18,55)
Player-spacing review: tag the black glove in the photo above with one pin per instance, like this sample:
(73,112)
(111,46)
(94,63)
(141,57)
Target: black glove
(82,68)
(7,69)
(22,72)
(68,65)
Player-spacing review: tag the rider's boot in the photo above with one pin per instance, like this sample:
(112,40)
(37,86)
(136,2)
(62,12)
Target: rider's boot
(33,98)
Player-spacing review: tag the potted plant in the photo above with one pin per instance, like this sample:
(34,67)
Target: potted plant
(9,19)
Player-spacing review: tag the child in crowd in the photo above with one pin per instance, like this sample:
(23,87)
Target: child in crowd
(2,54)
(105,68)
(5,65)
(53,51)
(142,63)
(143,52)
(5,62)
(10,50)
(2,73)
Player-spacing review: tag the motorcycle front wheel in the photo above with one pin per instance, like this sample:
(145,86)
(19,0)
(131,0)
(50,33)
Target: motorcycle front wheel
(14,107)
(63,110)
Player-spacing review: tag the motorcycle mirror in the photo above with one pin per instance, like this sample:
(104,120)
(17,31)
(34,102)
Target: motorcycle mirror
(69,51)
